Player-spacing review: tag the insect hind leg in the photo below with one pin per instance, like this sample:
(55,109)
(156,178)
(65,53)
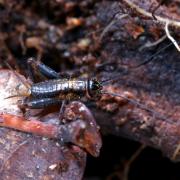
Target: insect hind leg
(44,70)
(42,103)
(39,103)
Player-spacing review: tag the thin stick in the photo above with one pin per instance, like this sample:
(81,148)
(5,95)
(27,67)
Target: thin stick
(148,14)
(166,21)
(151,44)
(155,9)
(131,160)
(106,29)
(170,37)
(176,152)
(33,126)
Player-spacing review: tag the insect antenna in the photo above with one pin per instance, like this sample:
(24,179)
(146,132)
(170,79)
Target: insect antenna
(151,58)
(142,106)
(114,78)
(17,95)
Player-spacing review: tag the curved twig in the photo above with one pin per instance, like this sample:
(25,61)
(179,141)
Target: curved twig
(166,21)
(148,14)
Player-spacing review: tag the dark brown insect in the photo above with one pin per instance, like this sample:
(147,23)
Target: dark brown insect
(56,90)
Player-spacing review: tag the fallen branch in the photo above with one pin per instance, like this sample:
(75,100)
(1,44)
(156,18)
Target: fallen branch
(166,21)
(160,19)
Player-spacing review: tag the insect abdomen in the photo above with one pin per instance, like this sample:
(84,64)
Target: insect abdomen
(55,87)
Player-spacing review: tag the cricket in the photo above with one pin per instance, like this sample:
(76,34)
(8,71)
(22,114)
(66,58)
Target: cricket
(59,89)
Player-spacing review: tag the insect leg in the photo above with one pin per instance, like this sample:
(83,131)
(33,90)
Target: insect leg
(61,111)
(45,70)
(39,103)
